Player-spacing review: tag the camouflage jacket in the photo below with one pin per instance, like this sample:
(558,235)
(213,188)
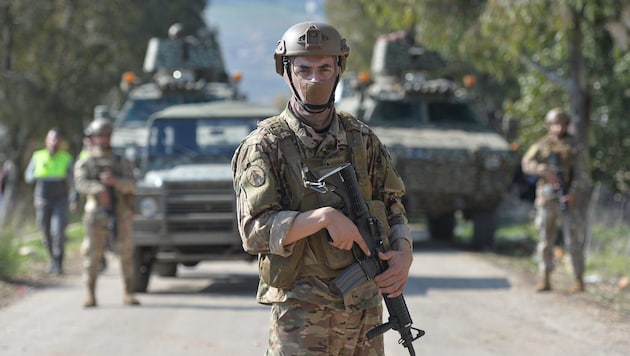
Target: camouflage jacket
(264,215)
(572,162)
(87,182)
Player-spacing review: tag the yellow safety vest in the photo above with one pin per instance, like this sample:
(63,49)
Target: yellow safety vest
(47,166)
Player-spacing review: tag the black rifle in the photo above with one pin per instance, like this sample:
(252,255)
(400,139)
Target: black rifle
(112,225)
(367,267)
(561,191)
(113,220)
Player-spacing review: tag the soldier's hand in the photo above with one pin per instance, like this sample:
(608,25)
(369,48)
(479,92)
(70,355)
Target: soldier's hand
(344,233)
(107,178)
(104,199)
(551,178)
(568,199)
(392,282)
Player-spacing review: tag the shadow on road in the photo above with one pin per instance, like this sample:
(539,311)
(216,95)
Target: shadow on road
(232,284)
(420,285)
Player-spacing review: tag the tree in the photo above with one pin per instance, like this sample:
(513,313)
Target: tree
(60,58)
(541,53)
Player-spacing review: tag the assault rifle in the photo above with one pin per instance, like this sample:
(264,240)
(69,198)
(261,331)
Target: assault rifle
(561,191)
(113,220)
(367,267)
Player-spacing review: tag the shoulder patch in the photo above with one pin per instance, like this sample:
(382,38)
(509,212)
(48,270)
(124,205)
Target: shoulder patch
(255,176)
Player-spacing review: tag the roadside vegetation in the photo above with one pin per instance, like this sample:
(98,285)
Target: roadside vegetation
(23,260)
(607,249)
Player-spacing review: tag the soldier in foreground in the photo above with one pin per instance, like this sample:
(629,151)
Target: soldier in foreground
(562,169)
(51,170)
(107,181)
(297,228)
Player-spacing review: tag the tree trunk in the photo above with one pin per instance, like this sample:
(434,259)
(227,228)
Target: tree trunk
(580,101)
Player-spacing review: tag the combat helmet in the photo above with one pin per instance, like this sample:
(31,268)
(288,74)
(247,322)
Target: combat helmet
(100,126)
(310,38)
(556,115)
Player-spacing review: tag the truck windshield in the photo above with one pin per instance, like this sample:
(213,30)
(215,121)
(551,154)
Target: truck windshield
(418,113)
(137,111)
(177,141)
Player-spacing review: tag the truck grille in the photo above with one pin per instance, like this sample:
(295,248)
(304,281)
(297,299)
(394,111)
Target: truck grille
(200,207)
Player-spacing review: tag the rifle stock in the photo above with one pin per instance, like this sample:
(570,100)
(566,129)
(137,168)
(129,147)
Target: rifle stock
(367,267)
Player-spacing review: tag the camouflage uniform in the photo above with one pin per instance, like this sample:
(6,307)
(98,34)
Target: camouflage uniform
(96,219)
(572,163)
(306,317)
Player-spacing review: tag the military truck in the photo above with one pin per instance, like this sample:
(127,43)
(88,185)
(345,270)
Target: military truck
(449,160)
(185,202)
(177,70)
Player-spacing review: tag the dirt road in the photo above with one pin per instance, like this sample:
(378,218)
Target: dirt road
(466,305)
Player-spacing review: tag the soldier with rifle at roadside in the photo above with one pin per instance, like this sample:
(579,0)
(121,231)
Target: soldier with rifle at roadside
(560,163)
(302,233)
(106,179)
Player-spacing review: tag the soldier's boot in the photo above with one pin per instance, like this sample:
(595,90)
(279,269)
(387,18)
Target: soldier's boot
(129,298)
(578,285)
(90,298)
(545,283)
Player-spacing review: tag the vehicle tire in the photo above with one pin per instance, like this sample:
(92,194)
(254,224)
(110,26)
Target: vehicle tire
(484,228)
(166,269)
(143,261)
(441,227)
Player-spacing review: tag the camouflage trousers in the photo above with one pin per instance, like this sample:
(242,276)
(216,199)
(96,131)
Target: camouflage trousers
(93,247)
(548,214)
(301,328)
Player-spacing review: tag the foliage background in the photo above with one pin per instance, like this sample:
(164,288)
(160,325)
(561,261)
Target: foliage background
(528,56)
(59,59)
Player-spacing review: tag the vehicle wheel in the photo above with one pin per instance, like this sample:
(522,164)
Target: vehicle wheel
(166,269)
(484,228)
(143,261)
(441,227)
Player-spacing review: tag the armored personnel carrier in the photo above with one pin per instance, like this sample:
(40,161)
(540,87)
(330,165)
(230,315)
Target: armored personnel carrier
(177,70)
(449,160)
(185,202)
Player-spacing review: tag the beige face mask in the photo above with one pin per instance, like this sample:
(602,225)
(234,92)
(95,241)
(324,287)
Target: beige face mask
(315,93)
(312,93)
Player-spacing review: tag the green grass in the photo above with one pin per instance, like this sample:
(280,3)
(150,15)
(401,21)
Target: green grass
(21,251)
(9,257)
(609,250)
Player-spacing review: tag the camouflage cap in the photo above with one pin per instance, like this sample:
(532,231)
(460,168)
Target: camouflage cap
(311,38)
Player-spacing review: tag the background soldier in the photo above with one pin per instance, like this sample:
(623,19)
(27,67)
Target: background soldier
(51,170)
(107,181)
(302,237)
(561,165)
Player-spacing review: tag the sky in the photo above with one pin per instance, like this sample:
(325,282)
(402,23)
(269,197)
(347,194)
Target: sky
(249,31)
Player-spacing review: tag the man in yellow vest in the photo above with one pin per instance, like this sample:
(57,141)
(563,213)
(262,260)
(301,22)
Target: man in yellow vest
(51,169)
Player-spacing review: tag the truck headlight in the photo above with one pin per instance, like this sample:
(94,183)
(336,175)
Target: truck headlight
(148,207)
